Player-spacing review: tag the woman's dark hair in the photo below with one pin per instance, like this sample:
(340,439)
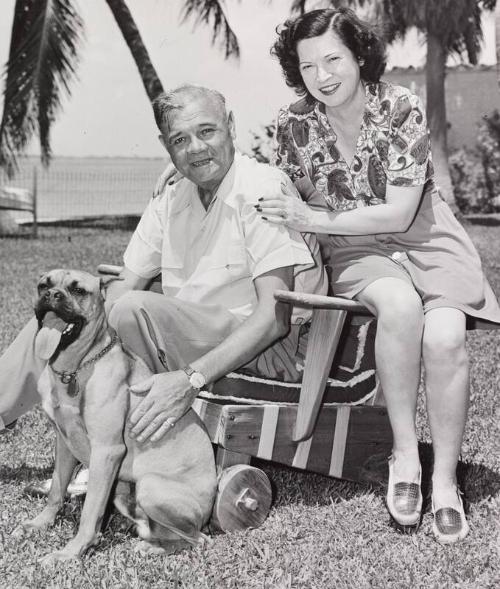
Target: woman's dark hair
(359,37)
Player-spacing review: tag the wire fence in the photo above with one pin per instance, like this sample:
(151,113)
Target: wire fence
(83,188)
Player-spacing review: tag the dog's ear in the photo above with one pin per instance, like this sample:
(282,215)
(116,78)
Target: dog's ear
(105,281)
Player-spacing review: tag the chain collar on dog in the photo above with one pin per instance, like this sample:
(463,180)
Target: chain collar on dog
(70,378)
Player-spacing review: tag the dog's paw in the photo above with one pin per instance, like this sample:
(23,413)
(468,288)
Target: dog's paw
(51,559)
(19,532)
(38,523)
(143,548)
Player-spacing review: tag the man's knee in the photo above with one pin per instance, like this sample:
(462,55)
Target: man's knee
(126,308)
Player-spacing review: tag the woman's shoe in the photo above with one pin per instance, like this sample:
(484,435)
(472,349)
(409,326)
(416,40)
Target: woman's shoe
(450,524)
(404,499)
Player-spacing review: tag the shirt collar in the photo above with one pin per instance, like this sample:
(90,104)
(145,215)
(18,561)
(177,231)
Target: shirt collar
(182,193)
(371,102)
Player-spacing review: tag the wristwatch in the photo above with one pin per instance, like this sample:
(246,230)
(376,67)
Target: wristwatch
(196,379)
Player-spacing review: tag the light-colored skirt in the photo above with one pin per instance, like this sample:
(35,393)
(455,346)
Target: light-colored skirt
(435,254)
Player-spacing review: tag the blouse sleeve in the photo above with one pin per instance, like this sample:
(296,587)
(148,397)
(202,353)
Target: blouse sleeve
(287,157)
(409,148)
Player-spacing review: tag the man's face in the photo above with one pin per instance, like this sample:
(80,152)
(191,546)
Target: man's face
(199,139)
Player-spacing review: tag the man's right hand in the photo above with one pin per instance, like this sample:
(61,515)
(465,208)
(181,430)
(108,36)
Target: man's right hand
(169,176)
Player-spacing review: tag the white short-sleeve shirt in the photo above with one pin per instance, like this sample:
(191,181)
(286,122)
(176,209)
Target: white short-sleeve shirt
(212,256)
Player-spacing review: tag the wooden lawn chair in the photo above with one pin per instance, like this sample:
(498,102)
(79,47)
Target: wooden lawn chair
(350,439)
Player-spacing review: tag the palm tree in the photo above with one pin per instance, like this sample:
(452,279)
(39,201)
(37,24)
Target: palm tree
(43,61)
(451,27)
(497,35)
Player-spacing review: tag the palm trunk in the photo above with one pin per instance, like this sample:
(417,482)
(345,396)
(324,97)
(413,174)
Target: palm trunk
(497,34)
(130,32)
(435,71)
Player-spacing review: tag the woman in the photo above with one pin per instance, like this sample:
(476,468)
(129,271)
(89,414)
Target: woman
(358,151)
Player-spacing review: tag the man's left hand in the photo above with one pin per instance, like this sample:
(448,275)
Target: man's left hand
(168,396)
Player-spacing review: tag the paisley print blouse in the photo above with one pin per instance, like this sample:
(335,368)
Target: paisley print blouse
(392,147)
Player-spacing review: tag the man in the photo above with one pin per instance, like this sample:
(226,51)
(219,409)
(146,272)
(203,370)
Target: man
(220,264)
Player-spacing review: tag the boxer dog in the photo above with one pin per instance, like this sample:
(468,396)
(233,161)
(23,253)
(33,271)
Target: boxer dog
(166,487)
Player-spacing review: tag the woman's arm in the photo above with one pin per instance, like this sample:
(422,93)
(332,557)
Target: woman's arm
(393,216)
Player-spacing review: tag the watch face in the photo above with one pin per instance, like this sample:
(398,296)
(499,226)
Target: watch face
(197,380)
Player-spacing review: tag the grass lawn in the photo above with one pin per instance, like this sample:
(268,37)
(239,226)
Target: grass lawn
(321,533)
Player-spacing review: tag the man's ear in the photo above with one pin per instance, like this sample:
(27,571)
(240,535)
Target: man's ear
(105,281)
(231,125)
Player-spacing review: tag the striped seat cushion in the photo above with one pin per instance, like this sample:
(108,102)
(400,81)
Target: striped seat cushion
(352,377)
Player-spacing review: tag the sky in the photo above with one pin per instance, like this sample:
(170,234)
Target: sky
(109,114)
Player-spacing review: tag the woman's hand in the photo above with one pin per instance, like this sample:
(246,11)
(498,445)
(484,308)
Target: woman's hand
(169,176)
(286,209)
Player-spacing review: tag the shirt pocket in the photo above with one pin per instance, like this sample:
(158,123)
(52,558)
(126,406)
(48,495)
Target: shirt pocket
(231,259)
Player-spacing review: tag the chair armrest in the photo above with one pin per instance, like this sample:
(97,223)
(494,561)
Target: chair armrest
(328,318)
(314,301)
(109,269)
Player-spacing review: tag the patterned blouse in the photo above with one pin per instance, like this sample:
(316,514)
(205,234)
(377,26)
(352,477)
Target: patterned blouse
(392,147)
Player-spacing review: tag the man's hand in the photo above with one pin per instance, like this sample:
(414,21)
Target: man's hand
(168,396)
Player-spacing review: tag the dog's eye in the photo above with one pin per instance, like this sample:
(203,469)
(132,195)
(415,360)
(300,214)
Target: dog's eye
(79,291)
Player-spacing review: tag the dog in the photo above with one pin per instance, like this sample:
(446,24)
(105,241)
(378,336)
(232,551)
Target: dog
(166,487)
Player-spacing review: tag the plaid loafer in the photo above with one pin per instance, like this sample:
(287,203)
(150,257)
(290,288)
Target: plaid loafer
(404,499)
(77,486)
(450,524)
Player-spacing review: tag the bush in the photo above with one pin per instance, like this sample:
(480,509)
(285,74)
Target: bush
(263,144)
(476,173)
(469,184)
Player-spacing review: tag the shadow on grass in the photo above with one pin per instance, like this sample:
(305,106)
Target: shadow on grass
(24,474)
(293,486)
(490,220)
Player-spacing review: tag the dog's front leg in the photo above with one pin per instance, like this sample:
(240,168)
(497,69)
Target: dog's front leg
(103,468)
(65,464)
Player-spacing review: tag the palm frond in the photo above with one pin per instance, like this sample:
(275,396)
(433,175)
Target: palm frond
(42,61)
(212,13)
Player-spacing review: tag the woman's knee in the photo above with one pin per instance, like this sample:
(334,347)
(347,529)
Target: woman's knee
(445,345)
(395,303)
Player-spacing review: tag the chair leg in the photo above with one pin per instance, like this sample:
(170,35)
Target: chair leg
(324,336)
(225,458)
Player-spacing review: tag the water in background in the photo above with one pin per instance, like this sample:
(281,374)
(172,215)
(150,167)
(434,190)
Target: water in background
(88,187)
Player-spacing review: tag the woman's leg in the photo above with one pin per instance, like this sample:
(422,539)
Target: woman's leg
(398,347)
(447,387)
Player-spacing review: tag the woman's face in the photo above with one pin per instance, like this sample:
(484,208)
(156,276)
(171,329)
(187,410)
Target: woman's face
(329,69)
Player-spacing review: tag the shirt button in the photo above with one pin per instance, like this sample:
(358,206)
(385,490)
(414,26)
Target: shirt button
(397,256)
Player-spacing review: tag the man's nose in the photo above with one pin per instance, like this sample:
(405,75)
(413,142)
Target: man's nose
(196,145)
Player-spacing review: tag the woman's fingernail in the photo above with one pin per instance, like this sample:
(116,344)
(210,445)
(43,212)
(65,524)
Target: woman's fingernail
(260,199)
(265,218)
